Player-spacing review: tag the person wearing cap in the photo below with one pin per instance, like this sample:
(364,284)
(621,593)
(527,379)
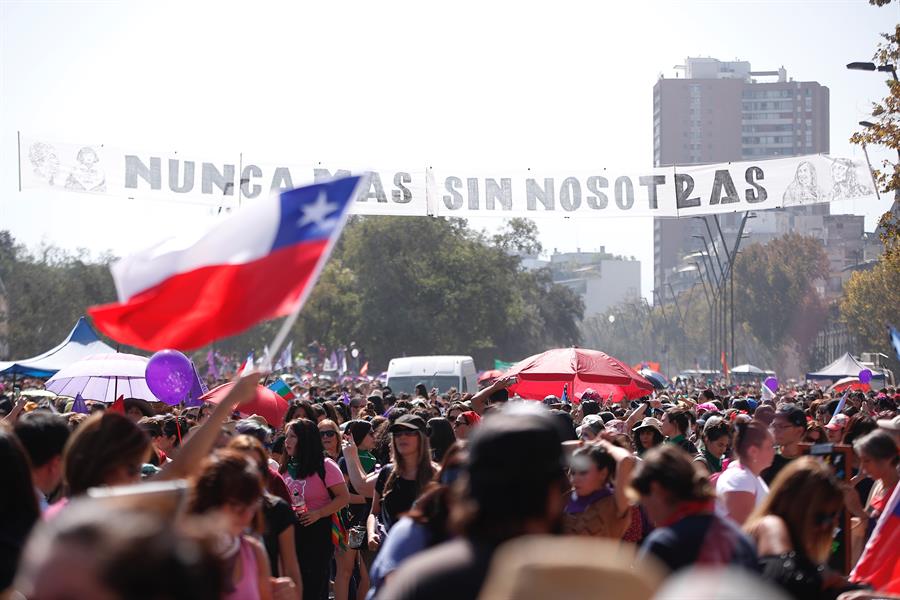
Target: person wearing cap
(788,428)
(464,423)
(892,426)
(648,434)
(513,485)
(347,559)
(835,427)
(395,486)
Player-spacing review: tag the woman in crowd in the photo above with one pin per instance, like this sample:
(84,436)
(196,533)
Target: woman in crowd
(647,435)
(878,458)
(794,527)
(739,488)
(815,434)
(715,437)
(425,525)
(229,485)
(440,437)
(348,559)
(18,504)
(680,501)
(464,423)
(331,438)
(317,491)
(595,506)
(109,449)
(99,552)
(396,486)
(278,517)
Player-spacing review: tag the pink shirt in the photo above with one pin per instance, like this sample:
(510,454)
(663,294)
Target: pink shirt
(312,489)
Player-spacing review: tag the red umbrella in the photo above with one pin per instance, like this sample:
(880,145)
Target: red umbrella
(546,373)
(489,375)
(267,403)
(852,383)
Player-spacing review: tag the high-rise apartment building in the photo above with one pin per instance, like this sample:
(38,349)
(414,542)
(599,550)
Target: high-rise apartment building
(724,111)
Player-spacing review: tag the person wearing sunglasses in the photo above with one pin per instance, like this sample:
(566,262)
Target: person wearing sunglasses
(395,486)
(331,438)
(463,424)
(794,527)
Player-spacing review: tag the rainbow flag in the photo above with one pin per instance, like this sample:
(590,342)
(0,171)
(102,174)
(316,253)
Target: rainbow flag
(282,389)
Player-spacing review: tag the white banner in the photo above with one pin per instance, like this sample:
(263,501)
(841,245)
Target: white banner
(659,192)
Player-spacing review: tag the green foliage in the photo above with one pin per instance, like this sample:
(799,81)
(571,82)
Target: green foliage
(774,292)
(394,285)
(47,291)
(870,303)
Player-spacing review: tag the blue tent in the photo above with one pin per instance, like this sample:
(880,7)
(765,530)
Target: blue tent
(82,342)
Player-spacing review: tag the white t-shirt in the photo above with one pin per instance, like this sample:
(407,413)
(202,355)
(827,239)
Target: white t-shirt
(738,479)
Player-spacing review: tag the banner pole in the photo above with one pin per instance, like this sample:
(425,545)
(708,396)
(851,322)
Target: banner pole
(19,153)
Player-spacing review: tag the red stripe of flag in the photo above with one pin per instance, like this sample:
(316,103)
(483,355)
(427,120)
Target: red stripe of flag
(191,309)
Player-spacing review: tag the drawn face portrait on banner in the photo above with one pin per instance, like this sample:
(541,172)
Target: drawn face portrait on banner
(804,189)
(44,161)
(846,181)
(86,176)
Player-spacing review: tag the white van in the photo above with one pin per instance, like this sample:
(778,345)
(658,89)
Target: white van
(441,372)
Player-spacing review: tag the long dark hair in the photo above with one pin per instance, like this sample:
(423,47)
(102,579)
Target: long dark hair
(18,504)
(441,436)
(102,443)
(425,472)
(309,453)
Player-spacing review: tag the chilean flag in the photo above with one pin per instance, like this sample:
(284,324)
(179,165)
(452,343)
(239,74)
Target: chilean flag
(256,264)
(879,565)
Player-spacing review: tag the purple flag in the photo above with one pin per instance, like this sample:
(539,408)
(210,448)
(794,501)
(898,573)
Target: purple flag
(345,398)
(211,365)
(79,406)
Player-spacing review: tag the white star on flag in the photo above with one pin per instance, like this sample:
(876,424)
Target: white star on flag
(317,212)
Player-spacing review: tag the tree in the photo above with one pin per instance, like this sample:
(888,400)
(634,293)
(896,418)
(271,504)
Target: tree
(774,292)
(870,297)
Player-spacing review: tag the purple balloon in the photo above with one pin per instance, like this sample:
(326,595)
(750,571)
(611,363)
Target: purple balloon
(865,376)
(772,384)
(170,375)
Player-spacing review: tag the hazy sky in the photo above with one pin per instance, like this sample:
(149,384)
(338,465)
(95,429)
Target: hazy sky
(399,84)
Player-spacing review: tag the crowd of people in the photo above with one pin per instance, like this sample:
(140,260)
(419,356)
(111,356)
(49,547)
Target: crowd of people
(364,493)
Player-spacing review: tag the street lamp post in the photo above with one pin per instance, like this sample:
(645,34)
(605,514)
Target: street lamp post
(892,69)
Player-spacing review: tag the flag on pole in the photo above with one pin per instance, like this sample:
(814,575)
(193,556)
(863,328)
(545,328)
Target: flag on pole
(247,366)
(211,369)
(118,406)
(287,356)
(565,394)
(895,340)
(79,406)
(257,264)
(767,394)
(282,389)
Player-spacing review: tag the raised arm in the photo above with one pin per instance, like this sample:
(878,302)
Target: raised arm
(625,462)
(362,483)
(479,400)
(199,444)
